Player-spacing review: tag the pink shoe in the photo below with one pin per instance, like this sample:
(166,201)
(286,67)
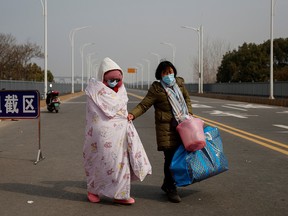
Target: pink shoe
(93,198)
(129,201)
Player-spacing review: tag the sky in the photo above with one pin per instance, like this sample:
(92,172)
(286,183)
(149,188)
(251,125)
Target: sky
(128,31)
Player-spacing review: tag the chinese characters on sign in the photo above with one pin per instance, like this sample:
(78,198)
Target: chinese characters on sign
(19,104)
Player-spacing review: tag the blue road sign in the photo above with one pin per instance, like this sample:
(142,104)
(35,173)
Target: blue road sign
(19,104)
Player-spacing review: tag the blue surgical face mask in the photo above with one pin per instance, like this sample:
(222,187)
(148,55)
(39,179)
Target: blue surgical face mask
(169,79)
(112,83)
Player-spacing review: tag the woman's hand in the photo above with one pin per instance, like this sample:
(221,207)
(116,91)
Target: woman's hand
(130,117)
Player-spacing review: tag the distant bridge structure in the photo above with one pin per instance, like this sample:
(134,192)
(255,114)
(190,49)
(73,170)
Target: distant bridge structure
(68,79)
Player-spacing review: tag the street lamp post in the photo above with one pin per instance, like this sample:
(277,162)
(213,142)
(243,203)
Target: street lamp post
(136,76)
(148,72)
(88,62)
(92,68)
(200,56)
(44,7)
(82,62)
(142,68)
(173,50)
(158,57)
(71,36)
(271,51)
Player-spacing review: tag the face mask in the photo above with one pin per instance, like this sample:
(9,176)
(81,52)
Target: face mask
(169,79)
(113,83)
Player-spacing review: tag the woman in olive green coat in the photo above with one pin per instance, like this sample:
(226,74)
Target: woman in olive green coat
(167,137)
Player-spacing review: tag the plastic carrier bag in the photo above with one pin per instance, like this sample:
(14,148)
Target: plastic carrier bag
(190,167)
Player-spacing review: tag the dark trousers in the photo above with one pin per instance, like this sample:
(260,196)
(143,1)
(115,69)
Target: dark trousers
(168,178)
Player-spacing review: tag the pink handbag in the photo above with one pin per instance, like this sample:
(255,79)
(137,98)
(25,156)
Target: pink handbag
(192,135)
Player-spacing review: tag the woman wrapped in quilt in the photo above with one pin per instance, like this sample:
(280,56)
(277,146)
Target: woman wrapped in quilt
(113,153)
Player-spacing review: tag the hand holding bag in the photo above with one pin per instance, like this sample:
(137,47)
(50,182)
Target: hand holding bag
(190,167)
(192,135)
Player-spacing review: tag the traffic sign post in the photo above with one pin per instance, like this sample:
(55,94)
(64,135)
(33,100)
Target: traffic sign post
(22,105)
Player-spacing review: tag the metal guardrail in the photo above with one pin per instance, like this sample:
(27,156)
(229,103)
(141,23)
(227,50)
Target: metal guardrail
(249,89)
(63,88)
(260,89)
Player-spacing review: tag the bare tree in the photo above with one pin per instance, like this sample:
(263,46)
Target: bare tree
(14,57)
(212,56)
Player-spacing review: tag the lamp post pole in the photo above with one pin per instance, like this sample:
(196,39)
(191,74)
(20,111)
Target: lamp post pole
(141,65)
(45,13)
(136,76)
(158,57)
(88,62)
(92,68)
(148,72)
(200,56)
(271,51)
(82,62)
(71,36)
(173,50)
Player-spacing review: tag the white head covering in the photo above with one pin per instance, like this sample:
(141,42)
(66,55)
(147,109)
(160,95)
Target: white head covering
(107,65)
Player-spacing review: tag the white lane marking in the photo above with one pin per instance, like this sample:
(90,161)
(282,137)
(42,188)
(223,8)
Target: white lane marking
(221,113)
(194,101)
(234,108)
(251,106)
(281,126)
(283,112)
(200,106)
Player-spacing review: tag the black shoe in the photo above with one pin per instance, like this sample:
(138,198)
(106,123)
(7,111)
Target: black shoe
(172,194)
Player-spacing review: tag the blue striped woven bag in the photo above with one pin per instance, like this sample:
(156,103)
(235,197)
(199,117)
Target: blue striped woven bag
(190,167)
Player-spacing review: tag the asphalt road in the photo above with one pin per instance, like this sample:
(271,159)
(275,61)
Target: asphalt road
(256,183)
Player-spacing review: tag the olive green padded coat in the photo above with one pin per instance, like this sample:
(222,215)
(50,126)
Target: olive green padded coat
(165,123)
